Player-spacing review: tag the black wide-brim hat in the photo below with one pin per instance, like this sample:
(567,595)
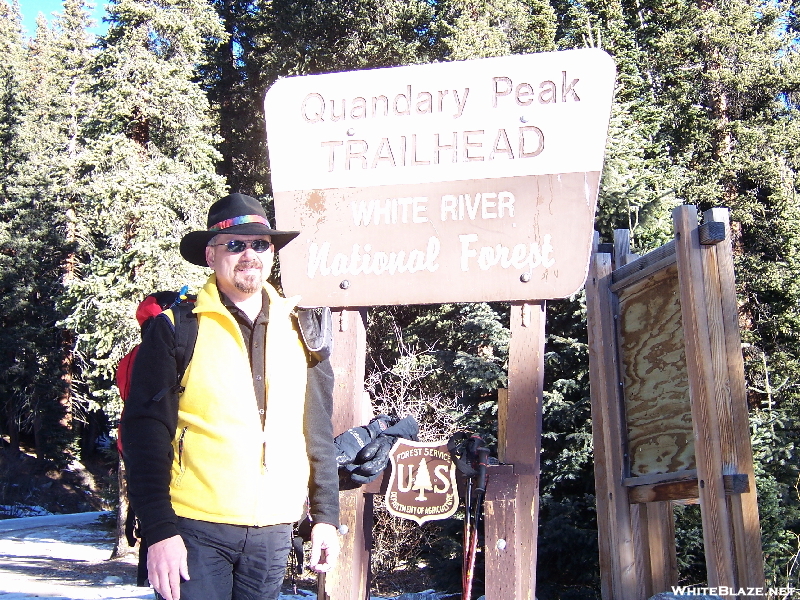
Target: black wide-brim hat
(234,214)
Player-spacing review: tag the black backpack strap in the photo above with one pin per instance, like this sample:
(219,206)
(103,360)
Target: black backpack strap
(184,326)
(185,323)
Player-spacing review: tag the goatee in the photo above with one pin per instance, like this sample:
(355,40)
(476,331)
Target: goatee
(250,283)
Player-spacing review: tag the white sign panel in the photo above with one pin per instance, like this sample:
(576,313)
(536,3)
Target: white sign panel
(461,181)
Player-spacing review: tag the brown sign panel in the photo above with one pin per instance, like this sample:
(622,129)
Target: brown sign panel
(462,241)
(422,486)
(451,182)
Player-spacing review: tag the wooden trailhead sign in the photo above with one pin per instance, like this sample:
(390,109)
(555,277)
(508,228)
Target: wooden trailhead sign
(422,486)
(450,182)
(465,181)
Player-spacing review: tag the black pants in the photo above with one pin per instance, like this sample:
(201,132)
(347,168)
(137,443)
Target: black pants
(232,562)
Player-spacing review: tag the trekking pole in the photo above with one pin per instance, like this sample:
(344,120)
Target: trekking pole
(470,553)
(467,533)
(470,456)
(480,492)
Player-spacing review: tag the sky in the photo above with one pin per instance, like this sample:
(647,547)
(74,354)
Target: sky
(31,8)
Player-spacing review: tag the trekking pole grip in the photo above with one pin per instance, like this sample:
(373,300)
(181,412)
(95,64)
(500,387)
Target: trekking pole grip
(483,460)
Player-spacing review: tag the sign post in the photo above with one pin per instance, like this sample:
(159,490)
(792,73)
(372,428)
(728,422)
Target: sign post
(467,181)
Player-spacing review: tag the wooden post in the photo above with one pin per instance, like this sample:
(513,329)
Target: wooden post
(121,547)
(661,545)
(502,422)
(705,415)
(641,544)
(349,579)
(622,248)
(502,559)
(619,577)
(737,452)
(512,506)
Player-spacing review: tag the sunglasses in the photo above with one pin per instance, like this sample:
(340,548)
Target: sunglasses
(239,246)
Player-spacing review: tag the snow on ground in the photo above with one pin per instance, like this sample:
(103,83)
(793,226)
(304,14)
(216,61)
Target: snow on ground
(66,557)
(63,557)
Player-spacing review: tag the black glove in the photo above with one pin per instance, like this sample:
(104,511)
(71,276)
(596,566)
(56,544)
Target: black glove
(373,458)
(350,443)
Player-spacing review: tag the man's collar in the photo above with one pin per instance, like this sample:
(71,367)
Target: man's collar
(228,303)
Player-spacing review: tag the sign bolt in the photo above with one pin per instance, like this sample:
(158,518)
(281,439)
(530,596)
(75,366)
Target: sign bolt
(345,284)
(523,119)
(501,544)
(343,529)
(525,277)
(351,132)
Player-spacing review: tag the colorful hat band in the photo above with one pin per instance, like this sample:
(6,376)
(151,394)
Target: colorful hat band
(239,221)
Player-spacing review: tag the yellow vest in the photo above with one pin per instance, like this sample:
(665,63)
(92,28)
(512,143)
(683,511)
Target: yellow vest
(226,469)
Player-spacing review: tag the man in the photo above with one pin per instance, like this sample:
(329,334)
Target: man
(221,463)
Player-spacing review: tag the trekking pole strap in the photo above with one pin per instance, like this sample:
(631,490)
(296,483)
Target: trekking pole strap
(463,448)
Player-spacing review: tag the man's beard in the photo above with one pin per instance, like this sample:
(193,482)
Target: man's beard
(248,284)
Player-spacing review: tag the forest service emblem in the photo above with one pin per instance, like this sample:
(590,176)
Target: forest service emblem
(422,486)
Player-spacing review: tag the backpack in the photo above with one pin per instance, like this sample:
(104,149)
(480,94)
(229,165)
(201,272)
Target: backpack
(184,324)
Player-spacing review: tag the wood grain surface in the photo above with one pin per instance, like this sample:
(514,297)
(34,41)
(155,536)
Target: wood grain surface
(655,383)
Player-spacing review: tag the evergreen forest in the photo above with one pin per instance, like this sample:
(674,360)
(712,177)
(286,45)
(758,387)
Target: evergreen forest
(113,147)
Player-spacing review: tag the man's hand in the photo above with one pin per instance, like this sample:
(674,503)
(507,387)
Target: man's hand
(324,537)
(166,566)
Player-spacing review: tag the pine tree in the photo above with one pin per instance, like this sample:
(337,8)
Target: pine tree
(727,73)
(12,102)
(34,247)
(467,29)
(58,60)
(422,482)
(147,176)
(15,353)
(706,115)
(636,193)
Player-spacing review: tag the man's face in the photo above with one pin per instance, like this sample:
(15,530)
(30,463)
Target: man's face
(239,275)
